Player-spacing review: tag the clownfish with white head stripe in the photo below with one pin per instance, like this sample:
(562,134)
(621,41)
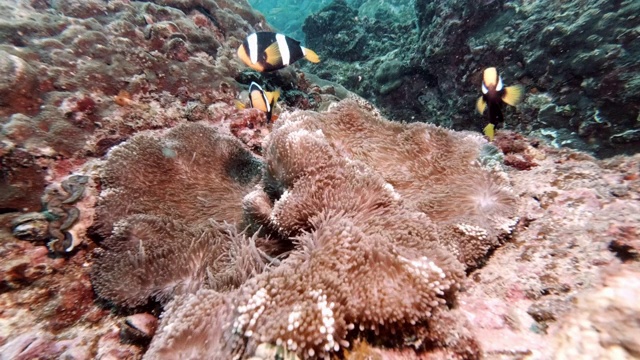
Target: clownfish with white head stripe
(494,94)
(268,51)
(261,100)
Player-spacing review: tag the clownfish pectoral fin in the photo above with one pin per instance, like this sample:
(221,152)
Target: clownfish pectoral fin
(273,54)
(481,105)
(513,95)
(240,105)
(272,97)
(310,55)
(489,131)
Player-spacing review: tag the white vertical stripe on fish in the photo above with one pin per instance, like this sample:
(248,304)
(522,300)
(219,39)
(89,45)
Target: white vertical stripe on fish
(262,94)
(265,99)
(252,40)
(284,49)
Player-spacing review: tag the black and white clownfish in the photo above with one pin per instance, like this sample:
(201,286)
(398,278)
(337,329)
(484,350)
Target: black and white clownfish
(494,94)
(261,100)
(268,51)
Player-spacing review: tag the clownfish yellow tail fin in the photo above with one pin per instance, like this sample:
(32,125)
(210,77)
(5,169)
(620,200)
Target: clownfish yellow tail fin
(489,131)
(481,105)
(240,105)
(513,95)
(311,55)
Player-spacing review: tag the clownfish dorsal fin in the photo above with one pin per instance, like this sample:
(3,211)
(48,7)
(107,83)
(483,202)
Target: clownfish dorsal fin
(481,105)
(513,95)
(273,54)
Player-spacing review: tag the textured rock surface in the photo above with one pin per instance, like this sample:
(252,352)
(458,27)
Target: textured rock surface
(61,72)
(82,77)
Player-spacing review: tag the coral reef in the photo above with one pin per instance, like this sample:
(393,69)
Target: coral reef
(200,231)
(619,298)
(578,61)
(339,204)
(60,69)
(348,222)
(48,307)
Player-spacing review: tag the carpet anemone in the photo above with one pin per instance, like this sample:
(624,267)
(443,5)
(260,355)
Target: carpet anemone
(355,229)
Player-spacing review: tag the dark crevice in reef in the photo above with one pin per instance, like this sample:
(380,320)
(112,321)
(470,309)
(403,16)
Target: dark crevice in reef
(210,16)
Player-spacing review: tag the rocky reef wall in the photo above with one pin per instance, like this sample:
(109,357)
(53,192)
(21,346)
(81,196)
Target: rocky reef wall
(578,61)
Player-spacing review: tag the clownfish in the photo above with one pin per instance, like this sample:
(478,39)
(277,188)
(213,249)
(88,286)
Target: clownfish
(494,94)
(268,51)
(261,100)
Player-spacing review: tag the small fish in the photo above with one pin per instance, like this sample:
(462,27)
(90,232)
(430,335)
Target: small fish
(494,94)
(261,100)
(268,51)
